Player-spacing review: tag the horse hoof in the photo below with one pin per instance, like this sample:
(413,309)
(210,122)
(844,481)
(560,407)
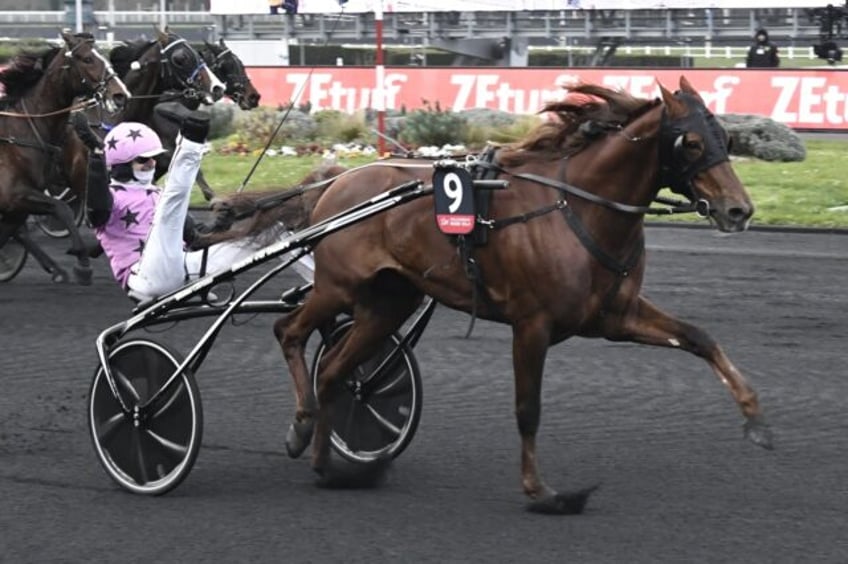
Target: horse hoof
(758,432)
(571,503)
(353,475)
(59,276)
(298,437)
(82,275)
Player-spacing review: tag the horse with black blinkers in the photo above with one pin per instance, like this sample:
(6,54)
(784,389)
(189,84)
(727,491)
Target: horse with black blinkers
(565,257)
(40,90)
(221,60)
(149,68)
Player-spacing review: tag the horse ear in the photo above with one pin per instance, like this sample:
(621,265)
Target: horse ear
(686,87)
(67,36)
(161,36)
(221,42)
(674,106)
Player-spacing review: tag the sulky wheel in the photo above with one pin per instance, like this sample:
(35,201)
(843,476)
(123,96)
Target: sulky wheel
(376,414)
(51,226)
(13,256)
(153,452)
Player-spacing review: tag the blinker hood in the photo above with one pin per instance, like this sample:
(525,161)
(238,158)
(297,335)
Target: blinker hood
(677,172)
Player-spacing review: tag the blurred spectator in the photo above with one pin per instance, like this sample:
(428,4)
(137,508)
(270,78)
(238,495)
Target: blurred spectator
(274,6)
(763,53)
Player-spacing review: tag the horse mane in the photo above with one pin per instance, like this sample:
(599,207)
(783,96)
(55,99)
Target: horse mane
(24,72)
(576,125)
(122,56)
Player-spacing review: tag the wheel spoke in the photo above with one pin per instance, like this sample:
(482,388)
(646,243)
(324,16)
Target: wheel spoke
(139,451)
(177,450)
(382,421)
(127,385)
(398,382)
(178,389)
(107,429)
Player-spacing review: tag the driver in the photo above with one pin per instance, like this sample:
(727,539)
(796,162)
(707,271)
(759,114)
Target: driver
(146,232)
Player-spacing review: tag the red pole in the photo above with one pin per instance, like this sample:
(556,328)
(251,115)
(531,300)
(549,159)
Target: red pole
(379,94)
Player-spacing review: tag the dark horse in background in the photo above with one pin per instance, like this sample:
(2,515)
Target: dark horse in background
(40,91)
(166,120)
(149,69)
(565,257)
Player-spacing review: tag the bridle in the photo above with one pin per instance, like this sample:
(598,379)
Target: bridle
(676,170)
(92,95)
(98,90)
(236,82)
(171,72)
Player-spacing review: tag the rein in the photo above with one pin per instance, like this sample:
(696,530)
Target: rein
(88,103)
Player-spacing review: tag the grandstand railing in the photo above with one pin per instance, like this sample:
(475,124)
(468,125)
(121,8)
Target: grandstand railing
(786,26)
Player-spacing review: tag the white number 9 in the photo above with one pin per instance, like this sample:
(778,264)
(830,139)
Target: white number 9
(452,186)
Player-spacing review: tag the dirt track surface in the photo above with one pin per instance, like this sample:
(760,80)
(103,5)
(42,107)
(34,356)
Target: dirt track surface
(653,426)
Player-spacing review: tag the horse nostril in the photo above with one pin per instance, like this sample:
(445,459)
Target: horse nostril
(119,99)
(740,213)
(217,92)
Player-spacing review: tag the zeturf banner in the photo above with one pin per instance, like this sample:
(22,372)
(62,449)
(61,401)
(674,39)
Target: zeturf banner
(802,99)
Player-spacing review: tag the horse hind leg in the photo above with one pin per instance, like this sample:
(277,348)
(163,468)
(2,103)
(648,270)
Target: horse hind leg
(375,319)
(292,332)
(648,325)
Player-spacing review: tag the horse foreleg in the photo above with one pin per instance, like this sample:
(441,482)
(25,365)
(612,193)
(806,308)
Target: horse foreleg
(61,211)
(530,342)
(205,188)
(529,348)
(647,324)
(56,272)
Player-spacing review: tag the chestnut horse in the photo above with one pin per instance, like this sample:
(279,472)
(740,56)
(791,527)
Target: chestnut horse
(572,217)
(41,89)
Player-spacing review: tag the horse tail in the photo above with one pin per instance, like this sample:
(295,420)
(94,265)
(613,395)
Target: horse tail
(265,213)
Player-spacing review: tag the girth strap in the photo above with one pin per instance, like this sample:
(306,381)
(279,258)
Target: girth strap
(619,268)
(622,269)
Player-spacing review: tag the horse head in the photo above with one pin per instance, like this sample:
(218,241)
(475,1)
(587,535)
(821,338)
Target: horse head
(186,68)
(167,63)
(695,163)
(92,74)
(230,69)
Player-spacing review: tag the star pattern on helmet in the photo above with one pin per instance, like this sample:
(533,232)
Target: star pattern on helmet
(134,134)
(140,248)
(129,218)
(112,143)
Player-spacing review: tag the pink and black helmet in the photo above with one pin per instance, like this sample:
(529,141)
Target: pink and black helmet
(130,140)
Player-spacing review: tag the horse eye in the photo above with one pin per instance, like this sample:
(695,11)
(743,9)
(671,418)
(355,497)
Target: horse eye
(88,59)
(180,59)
